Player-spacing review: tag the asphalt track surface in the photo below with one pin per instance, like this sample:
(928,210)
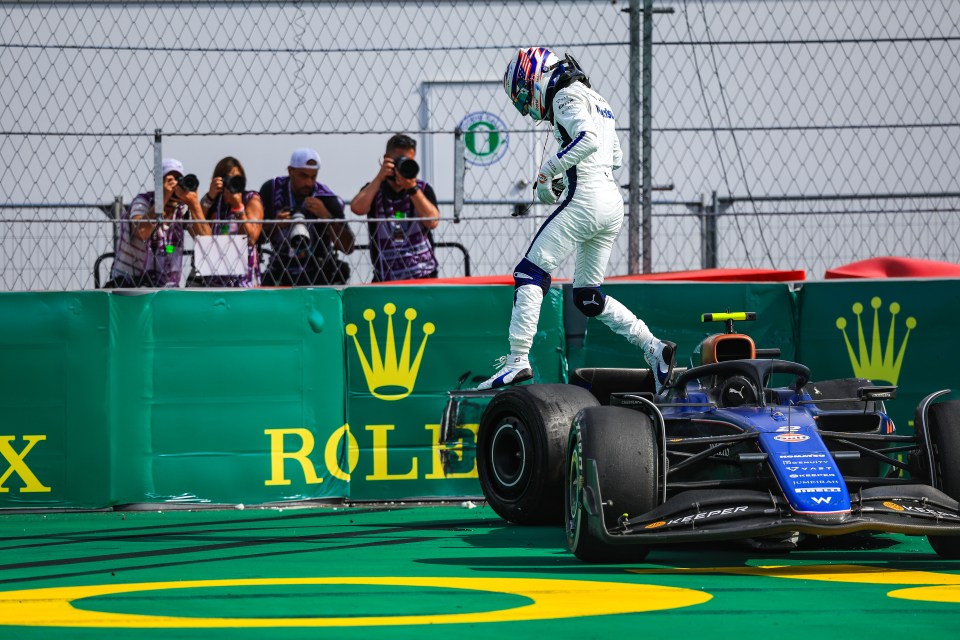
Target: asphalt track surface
(452,571)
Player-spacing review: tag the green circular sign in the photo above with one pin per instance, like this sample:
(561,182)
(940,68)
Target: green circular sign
(485,138)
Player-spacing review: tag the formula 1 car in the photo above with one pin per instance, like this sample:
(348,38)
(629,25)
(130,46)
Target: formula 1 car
(740,446)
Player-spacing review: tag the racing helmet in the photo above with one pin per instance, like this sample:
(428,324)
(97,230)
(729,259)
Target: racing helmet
(534,76)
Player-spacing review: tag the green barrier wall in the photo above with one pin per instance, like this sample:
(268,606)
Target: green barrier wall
(273,395)
(672,312)
(55,436)
(898,332)
(236,383)
(406,348)
(172,395)
(243,397)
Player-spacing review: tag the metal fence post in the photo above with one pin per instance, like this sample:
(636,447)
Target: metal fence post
(116,213)
(633,213)
(714,218)
(459,172)
(647,137)
(708,232)
(157,174)
(701,212)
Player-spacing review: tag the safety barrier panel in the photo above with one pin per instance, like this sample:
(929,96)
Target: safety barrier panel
(264,396)
(243,396)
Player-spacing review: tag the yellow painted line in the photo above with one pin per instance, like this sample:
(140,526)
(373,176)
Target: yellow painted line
(945,587)
(52,607)
(827,573)
(946,593)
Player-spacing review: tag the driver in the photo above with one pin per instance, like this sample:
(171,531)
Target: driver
(586,222)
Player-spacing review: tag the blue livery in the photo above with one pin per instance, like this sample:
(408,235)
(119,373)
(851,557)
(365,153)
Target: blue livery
(740,445)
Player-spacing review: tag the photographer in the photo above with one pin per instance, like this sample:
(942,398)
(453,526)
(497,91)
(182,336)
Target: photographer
(402,211)
(149,251)
(232,210)
(304,253)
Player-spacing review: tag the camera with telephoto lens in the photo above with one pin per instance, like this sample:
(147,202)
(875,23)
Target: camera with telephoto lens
(235,184)
(299,236)
(188,182)
(406,167)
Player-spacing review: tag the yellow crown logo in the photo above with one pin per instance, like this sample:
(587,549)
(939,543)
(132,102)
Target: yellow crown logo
(877,364)
(387,377)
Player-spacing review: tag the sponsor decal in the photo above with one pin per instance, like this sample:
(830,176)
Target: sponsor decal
(17,461)
(822,499)
(706,515)
(931,512)
(798,456)
(299,445)
(389,372)
(877,362)
(791,437)
(606,113)
(820,490)
(655,525)
(893,505)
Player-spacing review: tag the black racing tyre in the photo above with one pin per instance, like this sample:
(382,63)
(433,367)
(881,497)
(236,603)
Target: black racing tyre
(625,447)
(944,425)
(520,450)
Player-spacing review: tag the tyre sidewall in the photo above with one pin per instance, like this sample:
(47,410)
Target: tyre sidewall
(944,449)
(531,421)
(623,445)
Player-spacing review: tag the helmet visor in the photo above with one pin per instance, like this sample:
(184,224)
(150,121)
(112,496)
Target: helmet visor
(521,82)
(522,101)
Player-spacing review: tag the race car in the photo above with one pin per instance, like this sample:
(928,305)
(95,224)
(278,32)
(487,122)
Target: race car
(740,446)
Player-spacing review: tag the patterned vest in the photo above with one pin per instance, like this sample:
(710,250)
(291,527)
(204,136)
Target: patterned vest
(156,261)
(400,247)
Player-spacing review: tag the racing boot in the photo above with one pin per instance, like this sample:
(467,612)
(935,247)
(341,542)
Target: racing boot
(660,355)
(523,326)
(512,369)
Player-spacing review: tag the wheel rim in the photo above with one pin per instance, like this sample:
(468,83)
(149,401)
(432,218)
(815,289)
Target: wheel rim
(574,490)
(508,455)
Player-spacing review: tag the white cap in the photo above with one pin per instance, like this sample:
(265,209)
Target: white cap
(305,159)
(169,164)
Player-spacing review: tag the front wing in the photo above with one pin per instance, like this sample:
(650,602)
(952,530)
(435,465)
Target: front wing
(720,514)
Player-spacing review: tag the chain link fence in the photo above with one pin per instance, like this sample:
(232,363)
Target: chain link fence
(785,134)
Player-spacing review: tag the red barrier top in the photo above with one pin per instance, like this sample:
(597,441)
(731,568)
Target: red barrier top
(720,275)
(700,275)
(895,267)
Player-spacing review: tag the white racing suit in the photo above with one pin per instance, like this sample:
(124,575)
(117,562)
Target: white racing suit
(586,221)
